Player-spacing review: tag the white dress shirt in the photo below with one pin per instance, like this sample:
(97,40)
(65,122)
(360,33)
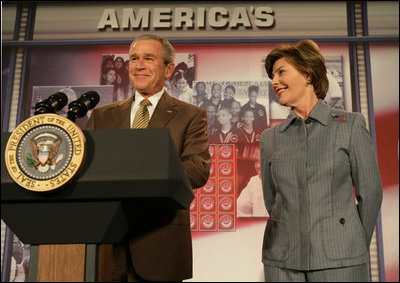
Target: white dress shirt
(138,98)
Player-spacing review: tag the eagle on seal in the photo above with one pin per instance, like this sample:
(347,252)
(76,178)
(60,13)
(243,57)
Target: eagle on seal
(44,152)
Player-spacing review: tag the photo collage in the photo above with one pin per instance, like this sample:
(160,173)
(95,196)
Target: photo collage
(237,112)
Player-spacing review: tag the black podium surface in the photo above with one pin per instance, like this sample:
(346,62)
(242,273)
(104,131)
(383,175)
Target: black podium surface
(125,173)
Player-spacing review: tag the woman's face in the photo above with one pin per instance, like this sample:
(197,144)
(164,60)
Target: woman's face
(224,117)
(253,97)
(216,91)
(248,117)
(110,77)
(288,83)
(109,63)
(235,108)
(119,63)
(181,84)
(229,93)
(211,112)
(200,88)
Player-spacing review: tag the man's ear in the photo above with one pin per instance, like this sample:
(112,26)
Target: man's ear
(169,70)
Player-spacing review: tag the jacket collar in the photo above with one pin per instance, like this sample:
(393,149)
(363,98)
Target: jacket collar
(122,110)
(320,113)
(164,112)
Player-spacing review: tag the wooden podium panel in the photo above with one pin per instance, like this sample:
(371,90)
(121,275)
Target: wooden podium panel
(61,263)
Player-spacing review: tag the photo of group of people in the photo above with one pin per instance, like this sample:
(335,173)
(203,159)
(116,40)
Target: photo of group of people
(237,111)
(115,72)
(231,106)
(180,84)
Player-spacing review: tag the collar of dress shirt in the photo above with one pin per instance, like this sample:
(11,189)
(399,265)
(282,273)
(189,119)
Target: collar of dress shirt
(320,113)
(153,99)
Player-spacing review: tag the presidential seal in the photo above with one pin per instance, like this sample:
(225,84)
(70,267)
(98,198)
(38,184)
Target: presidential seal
(45,152)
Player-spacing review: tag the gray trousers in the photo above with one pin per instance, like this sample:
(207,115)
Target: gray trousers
(356,273)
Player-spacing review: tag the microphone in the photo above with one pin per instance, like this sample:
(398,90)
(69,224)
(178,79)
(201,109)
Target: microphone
(79,107)
(52,104)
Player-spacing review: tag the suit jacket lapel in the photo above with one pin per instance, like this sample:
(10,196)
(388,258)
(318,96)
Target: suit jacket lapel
(163,113)
(124,114)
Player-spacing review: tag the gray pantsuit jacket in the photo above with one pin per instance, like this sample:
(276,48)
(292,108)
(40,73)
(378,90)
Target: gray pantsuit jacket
(309,168)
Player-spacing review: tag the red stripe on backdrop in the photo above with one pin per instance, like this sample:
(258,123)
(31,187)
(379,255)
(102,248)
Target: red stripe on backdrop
(387,140)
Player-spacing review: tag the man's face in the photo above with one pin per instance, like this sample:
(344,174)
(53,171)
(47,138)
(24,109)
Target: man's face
(147,71)
(216,91)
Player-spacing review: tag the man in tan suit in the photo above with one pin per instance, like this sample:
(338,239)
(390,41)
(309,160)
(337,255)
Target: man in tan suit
(160,248)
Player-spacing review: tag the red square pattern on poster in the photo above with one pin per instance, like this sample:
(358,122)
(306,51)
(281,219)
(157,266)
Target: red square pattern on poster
(207,222)
(212,169)
(194,222)
(226,204)
(226,152)
(212,149)
(214,205)
(208,204)
(226,169)
(227,222)
(209,187)
(226,186)
(194,204)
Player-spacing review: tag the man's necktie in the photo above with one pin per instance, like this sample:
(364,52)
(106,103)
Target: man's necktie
(141,119)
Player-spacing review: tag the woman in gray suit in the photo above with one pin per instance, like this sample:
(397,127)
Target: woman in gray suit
(320,177)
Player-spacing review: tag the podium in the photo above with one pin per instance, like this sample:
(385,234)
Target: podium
(124,171)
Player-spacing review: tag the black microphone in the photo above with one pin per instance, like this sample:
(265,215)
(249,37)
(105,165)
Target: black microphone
(52,104)
(79,107)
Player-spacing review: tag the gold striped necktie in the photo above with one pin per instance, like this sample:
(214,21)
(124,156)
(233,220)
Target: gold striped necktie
(141,119)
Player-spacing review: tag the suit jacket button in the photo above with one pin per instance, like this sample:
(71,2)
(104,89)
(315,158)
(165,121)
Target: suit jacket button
(307,121)
(342,221)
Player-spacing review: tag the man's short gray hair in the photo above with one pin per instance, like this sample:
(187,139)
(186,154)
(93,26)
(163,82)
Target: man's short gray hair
(168,49)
